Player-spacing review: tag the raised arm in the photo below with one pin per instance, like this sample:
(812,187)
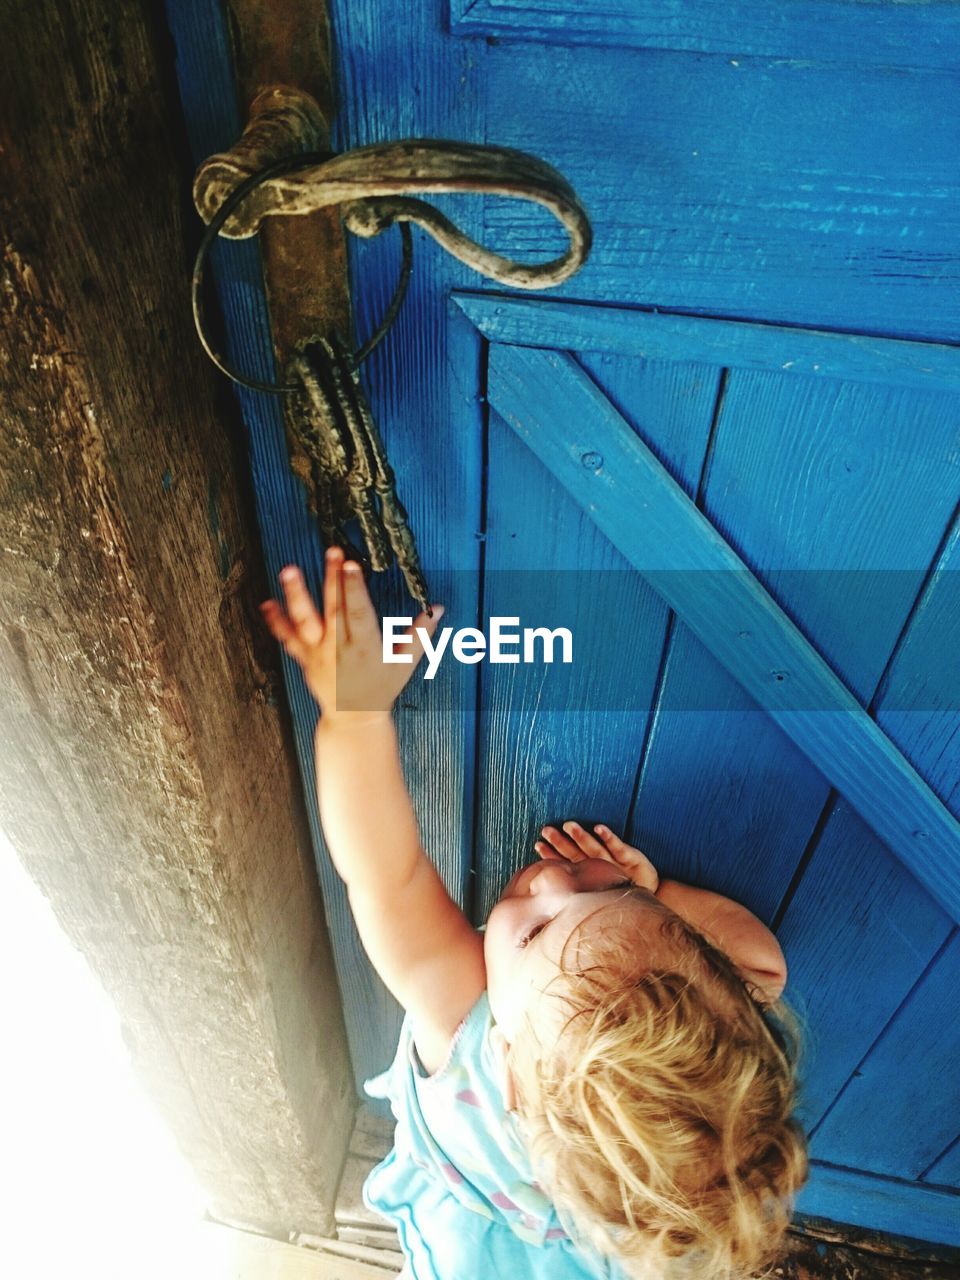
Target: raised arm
(417,938)
(745,939)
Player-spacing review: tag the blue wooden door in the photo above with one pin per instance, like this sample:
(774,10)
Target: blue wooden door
(727,455)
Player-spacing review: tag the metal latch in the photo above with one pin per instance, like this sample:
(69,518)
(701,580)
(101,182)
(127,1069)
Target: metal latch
(276,169)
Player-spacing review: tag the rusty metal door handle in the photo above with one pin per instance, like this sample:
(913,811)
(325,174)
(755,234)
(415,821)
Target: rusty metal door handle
(279,167)
(377,185)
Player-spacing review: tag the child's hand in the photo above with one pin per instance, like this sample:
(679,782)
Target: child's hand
(341,654)
(574,843)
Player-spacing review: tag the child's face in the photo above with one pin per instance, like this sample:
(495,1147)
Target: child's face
(528,930)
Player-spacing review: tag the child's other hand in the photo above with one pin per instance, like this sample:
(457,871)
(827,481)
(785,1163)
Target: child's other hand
(574,843)
(341,653)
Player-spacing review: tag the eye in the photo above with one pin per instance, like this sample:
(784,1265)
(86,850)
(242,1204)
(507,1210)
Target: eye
(625,883)
(532,933)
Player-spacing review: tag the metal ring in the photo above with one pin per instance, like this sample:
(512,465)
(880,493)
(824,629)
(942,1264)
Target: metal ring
(235,198)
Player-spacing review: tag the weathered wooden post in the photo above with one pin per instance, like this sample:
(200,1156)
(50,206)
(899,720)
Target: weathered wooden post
(146,778)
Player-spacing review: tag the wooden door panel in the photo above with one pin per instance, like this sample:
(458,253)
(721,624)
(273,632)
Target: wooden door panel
(865,967)
(718,835)
(559,745)
(882,926)
(906,1135)
(883,931)
(544,756)
(818,488)
(801,193)
(760,183)
(737,620)
(725,800)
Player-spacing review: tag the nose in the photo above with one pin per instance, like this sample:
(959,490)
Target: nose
(553,877)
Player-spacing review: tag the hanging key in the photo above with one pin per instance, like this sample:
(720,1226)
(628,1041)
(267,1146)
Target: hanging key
(332,424)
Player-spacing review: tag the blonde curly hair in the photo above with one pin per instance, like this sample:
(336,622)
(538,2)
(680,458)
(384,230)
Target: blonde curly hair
(661,1120)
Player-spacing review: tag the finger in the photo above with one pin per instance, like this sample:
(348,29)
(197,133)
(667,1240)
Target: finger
(300,606)
(281,629)
(634,862)
(423,623)
(331,583)
(361,617)
(612,843)
(563,845)
(587,843)
(545,852)
(276,620)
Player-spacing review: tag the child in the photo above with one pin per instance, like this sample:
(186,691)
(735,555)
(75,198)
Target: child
(588,1087)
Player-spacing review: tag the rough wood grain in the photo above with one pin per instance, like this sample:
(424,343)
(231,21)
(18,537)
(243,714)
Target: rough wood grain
(145,773)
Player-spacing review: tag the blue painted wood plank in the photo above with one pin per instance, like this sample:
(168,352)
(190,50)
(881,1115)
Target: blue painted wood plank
(790,193)
(903,1209)
(906,1135)
(656,527)
(401,78)
(882,927)
(858,934)
(808,484)
(757,795)
(564,742)
(659,335)
(865,34)
(946,1171)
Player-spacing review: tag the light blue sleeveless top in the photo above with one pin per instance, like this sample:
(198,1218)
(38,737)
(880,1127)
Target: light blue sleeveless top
(458,1184)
